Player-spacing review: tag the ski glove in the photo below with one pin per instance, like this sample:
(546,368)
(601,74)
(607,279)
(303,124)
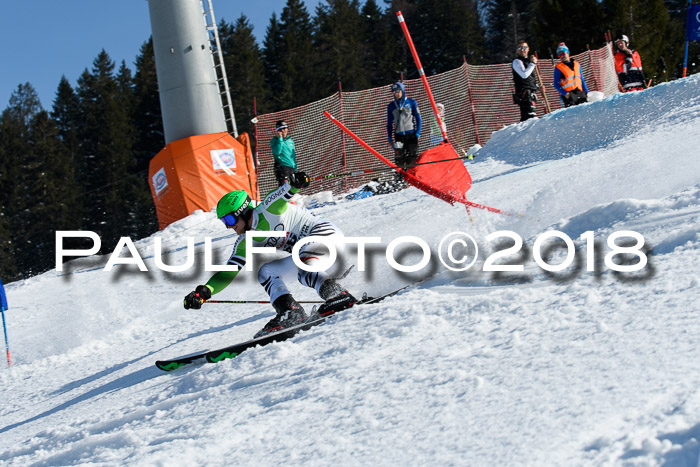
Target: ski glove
(195,299)
(299,180)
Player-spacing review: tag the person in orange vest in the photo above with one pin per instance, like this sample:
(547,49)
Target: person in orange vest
(628,65)
(568,79)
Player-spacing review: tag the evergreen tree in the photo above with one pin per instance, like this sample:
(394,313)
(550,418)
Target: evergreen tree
(245,71)
(15,131)
(8,269)
(382,45)
(579,24)
(147,117)
(141,219)
(65,114)
(50,187)
(289,54)
(339,45)
(646,23)
(108,138)
(149,137)
(674,49)
(509,21)
(409,8)
(299,70)
(445,32)
(272,60)
(24,105)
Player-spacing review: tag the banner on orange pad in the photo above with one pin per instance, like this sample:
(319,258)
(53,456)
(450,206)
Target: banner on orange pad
(449,176)
(193,173)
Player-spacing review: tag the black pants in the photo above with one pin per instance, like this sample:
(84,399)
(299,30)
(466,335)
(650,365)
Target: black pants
(408,153)
(527,100)
(282,173)
(576,97)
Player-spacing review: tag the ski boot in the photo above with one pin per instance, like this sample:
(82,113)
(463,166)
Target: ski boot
(336,297)
(289,313)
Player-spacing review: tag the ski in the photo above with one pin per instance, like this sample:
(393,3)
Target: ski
(175,363)
(215,356)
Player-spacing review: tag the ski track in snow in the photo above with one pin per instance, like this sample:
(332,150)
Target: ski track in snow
(466,368)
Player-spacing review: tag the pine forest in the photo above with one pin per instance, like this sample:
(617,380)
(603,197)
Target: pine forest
(83,163)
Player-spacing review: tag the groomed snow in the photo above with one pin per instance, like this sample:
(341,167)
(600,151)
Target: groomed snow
(467,368)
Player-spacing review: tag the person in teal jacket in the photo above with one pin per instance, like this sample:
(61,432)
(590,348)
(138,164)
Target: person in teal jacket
(283,150)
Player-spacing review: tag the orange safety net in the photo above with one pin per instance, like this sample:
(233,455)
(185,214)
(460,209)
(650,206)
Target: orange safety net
(193,173)
(478,100)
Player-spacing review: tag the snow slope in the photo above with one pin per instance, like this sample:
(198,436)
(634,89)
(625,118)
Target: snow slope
(467,368)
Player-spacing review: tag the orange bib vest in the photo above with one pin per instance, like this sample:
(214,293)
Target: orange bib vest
(620,62)
(571,79)
(630,74)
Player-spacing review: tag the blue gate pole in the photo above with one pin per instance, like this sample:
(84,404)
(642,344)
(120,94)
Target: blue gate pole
(687,27)
(3,307)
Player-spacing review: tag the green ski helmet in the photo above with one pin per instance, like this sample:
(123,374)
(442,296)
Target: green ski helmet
(233,205)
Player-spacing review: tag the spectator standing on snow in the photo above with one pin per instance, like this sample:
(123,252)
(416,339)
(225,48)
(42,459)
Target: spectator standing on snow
(403,126)
(525,79)
(435,133)
(568,79)
(284,152)
(628,65)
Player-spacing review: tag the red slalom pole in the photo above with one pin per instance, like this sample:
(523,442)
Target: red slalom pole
(421,73)
(414,181)
(369,171)
(363,144)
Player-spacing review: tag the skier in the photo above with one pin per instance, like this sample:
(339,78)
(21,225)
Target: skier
(236,211)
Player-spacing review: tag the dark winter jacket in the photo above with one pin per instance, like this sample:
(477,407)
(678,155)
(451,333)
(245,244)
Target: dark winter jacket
(524,77)
(403,116)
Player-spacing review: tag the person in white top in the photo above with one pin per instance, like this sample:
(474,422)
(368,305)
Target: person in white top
(525,79)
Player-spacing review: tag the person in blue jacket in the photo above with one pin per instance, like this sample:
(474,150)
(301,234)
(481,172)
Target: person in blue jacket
(403,126)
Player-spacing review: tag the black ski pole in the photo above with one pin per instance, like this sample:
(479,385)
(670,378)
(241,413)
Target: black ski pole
(259,301)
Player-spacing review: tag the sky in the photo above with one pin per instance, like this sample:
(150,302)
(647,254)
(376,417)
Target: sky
(46,39)
(578,367)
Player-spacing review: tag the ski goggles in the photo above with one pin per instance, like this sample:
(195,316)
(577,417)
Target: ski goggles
(229,220)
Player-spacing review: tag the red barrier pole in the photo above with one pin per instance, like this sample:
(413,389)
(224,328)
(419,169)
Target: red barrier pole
(414,181)
(421,73)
